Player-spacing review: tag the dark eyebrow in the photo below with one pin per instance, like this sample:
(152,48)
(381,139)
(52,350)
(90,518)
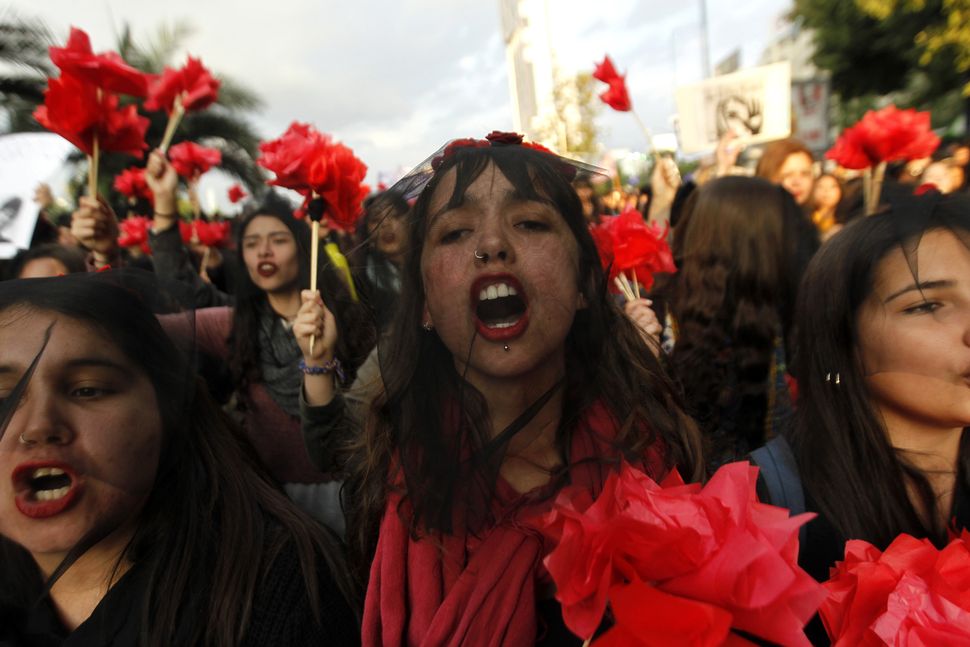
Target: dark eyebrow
(79,362)
(507,197)
(926,285)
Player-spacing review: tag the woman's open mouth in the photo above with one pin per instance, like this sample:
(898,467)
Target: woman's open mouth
(44,489)
(266,269)
(500,307)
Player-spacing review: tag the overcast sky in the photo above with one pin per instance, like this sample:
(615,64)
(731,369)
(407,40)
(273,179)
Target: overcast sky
(394,79)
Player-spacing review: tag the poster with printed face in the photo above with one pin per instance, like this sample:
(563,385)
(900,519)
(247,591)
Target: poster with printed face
(754,103)
(26,160)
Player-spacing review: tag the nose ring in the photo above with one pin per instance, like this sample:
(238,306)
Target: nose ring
(24,441)
(482,257)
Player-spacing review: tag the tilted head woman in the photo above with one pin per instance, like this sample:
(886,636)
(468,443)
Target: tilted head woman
(741,246)
(125,490)
(789,162)
(884,379)
(509,372)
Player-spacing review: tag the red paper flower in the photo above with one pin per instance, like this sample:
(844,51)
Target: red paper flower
(911,594)
(107,71)
(210,234)
(605,71)
(501,138)
(236,193)
(73,110)
(616,95)
(456,144)
(191,160)
(193,82)
(885,135)
(311,163)
(131,182)
(626,243)
(133,232)
(714,545)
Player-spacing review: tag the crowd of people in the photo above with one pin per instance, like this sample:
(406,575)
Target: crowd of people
(196,448)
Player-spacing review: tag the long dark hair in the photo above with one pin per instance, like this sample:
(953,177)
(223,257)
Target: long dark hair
(434,425)
(356,332)
(741,247)
(214,522)
(855,477)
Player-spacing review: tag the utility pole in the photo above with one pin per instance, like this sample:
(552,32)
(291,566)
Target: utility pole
(705,44)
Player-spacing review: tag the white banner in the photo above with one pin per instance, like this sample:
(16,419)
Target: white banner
(754,103)
(26,160)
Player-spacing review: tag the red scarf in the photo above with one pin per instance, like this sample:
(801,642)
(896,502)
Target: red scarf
(474,591)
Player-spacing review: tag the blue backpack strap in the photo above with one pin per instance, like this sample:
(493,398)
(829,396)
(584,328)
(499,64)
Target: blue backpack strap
(780,473)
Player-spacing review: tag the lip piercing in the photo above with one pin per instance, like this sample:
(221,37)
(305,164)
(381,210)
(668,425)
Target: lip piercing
(506,348)
(482,257)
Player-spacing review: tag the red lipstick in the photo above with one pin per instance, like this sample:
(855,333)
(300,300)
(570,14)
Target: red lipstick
(26,497)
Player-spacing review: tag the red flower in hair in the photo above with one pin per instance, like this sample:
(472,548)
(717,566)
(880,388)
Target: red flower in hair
(236,193)
(626,243)
(133,232)
(191,160)
(73,110)
(131,182)
(500,138)
(467,142)
(710,553)
(911,594)
(107,71)
(605,71)
(193,82)
(885,135)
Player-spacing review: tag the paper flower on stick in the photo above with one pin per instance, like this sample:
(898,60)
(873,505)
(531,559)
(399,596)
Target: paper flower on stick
(671,555)
(312,164)
(133,232)
(193,84)
(911,594)
(237,193)
(886,135)
(131,183)
(73,110)
(616,95)
(107,71)
(627,244)
(210,234)
(191,160)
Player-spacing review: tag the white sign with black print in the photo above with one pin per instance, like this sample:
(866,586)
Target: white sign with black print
(754,103)
(26,160)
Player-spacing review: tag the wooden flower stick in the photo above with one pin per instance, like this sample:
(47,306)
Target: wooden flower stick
(636,284)
(173,122)
(315,212)
(624,288)
(93,169)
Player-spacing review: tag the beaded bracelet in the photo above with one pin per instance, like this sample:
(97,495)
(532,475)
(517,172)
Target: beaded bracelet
(333,366)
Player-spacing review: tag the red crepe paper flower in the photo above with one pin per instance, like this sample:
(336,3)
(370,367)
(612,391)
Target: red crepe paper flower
(605,71)
(191,160)
(627,244)
(131,183)
(107,71)
(133,232)
(616,95)
(911,594)
(210,234)
(885,135)
(312,164)
(73,110)
(715,548)
(193,82)
(454,145)
(237,193)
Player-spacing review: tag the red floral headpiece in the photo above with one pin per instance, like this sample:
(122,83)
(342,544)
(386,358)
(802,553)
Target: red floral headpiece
(495,139)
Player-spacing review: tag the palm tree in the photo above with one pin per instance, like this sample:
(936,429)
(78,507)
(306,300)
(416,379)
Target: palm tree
(23,53)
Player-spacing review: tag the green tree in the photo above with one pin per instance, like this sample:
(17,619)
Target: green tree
(873,48)
(573,125)
(23,56)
